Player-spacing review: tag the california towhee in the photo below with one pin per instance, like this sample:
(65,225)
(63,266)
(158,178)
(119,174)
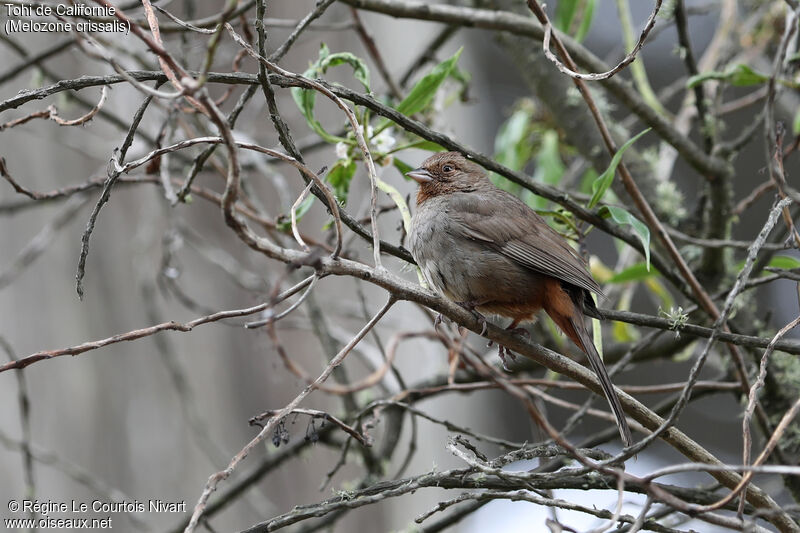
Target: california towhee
(489,252)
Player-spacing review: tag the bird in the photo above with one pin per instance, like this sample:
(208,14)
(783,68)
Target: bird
(486,250)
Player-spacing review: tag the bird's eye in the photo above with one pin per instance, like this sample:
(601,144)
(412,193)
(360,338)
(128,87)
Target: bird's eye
(447,168)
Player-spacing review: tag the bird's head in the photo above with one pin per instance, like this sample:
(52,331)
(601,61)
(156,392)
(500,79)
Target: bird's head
(445,173)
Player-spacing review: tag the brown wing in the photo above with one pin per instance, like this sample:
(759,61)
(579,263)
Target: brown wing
(520,234)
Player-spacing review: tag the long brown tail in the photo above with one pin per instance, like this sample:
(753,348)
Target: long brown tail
(570,319)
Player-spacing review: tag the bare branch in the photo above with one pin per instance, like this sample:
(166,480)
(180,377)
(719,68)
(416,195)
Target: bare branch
(627,60)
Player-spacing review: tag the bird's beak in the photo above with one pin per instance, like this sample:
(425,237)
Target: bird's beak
(420,175)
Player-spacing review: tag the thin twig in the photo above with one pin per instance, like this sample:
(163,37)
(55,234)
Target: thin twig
(751,405)
(374,53)
(305,23)
(362,143)
(131,335)
(215,479)
(315,413)
(718,327)
(113,176)
(646,210)
(687,54)
(627,60)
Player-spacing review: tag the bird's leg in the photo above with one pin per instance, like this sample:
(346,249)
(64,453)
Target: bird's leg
(470,306)
(522,332)
(437,322)
(502,351)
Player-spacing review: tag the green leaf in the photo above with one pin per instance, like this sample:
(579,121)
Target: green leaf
(623,332)
(739,75)
(512,145)
(305,102)
(324,52)
(622,217)
(657,288)
(402,166)
(430,146)
(779,261)
(549,167)
(637,272)
(686,354)
(327,60)
(560,217)
(703,77)
(340,176)
(305,98)
(785,262)
(399,201)
(587,179)
(565,13)
(301,210)
(796,123)
(421,144)
(603,182)
(360,70)
(744,76)
(422,93)
(597,331)
(586,21)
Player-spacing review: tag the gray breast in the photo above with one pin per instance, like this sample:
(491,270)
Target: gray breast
(460,267)
(429,234)
(442,252)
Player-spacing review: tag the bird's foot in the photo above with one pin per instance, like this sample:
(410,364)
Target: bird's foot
(470,306)
(522,332)
(502,351)
(437,322)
